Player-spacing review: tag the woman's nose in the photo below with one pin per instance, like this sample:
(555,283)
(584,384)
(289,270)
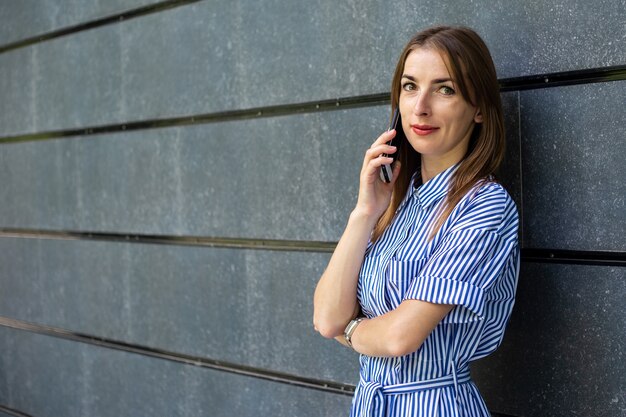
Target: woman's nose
(422,105)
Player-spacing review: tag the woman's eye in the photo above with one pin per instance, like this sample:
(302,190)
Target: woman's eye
(447,91)
(408,87)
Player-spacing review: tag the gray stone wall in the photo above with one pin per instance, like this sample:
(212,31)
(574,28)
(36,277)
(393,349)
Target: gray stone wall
(159,243)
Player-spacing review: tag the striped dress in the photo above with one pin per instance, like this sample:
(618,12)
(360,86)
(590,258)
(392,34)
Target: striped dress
(473,263)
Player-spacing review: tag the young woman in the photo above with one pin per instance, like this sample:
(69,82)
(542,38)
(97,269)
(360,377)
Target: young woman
(423,279)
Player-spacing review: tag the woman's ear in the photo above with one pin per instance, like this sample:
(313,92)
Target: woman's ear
(478,116)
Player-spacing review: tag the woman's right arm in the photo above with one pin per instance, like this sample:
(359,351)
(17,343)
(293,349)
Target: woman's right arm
(335,300)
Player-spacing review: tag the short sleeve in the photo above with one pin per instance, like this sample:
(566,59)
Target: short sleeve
(472,259)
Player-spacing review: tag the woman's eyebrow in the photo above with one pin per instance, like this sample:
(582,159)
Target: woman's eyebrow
(435,81)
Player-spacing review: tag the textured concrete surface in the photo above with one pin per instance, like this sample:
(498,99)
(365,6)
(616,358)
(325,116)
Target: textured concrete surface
(27,18)
(75,380)
(510,173)
(563,353)
(247,307)
(207,57)
(289,177)
(573,151)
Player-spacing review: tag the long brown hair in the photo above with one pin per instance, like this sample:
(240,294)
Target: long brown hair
(472,68)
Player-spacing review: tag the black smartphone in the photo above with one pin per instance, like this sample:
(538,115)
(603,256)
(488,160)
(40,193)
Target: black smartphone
(386,170)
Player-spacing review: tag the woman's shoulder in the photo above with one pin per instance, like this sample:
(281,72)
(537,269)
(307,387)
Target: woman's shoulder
(488,191)
(488,204)
(491,186)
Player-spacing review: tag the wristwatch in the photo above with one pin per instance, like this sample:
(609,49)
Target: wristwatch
(350,328)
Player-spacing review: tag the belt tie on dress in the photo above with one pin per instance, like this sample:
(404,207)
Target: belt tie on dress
(372,401)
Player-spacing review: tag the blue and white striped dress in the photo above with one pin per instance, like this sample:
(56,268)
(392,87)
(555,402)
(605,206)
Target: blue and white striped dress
(473,263)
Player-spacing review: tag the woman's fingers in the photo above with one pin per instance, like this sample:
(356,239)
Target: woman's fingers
(381,146)
(373,153)
(379,154)
(374,194)
(374,161)
(380,161)
(385,137)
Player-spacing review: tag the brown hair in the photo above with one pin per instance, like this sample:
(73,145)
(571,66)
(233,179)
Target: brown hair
(472,68)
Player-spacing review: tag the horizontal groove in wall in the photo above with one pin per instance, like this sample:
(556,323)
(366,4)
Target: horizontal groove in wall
(596,75)
(214,242)
(598,258)
(266,374)
(115,18)
(13,412)
(225,116)
(564,78)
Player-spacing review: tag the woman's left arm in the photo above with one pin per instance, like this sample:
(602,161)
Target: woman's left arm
(398,332)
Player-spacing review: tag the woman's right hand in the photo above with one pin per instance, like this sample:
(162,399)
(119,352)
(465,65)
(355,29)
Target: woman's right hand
(375,194)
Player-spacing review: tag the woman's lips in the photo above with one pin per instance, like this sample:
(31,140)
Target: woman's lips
(423,130)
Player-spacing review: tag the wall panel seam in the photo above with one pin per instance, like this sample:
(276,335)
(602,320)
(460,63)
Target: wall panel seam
(541,255)
(222,116)
(107,20)
(202,362)
(13,411)
(521,168)
(561,79)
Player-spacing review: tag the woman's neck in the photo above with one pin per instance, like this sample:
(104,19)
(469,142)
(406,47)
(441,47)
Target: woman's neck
(431,168)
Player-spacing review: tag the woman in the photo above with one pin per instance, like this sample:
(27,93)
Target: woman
(423,279)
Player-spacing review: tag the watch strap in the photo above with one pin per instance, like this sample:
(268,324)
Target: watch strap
(350,328)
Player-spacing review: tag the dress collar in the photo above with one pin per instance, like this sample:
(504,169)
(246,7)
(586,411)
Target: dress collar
(435,188)
(431,191)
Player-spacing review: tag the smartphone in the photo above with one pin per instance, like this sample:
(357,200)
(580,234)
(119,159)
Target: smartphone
(386,170)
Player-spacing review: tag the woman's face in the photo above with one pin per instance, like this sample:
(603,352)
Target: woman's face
(436,119)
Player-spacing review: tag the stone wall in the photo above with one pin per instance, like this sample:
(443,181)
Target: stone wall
(175,175)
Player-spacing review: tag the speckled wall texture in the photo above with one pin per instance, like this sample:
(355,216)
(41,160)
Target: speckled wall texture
(288,177)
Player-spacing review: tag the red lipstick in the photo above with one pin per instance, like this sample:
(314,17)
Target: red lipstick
(423,130)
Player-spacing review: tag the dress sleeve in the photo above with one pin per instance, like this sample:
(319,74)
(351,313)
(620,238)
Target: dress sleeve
(473,259)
